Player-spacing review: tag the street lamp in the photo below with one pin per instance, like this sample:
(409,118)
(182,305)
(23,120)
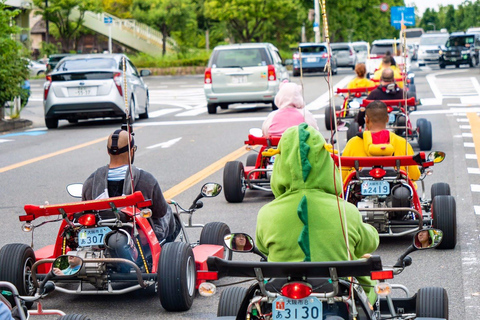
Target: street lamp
(432,24)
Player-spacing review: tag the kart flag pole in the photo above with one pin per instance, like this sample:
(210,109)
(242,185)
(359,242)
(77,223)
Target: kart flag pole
(127,113)
(403,41)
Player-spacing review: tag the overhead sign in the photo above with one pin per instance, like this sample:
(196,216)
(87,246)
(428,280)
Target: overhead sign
(107,20)
(402,14)
(384,7)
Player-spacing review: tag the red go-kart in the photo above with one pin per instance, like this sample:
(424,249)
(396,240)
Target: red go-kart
(256,173)
(174,265)
(388,199)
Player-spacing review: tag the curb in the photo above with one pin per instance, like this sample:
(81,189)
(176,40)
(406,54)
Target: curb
(9,125)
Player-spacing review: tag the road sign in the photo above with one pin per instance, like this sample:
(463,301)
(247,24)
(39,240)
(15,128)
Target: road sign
(384,7)
(399,14)
(107,20)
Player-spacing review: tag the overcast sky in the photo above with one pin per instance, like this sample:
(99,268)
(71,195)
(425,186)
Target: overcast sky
(422,5)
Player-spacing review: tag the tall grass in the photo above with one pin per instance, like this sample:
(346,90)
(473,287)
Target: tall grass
(191,58)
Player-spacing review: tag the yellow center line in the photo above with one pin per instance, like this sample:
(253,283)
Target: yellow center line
(474,120)
(202,174)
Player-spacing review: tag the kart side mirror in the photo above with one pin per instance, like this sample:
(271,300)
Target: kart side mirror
(67,265)
(427,238)
(75,190)
(256,132)
(436,156)
(211,189)
(239,242)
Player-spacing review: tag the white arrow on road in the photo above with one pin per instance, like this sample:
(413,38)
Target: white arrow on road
(165,144)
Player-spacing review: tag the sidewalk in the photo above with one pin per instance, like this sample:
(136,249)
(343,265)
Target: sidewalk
(9,125)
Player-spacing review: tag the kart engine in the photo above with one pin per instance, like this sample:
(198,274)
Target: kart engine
(95,272)
(378,219)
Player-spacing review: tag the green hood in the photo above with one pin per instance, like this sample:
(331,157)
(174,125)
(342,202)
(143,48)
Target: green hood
(299,147)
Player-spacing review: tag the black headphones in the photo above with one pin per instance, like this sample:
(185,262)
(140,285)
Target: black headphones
(114,150)
(389,88)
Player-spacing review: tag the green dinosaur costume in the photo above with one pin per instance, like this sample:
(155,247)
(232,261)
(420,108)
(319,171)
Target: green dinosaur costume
(303,223)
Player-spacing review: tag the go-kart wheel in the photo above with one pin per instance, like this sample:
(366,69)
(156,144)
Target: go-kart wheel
(230,301)
(176,276)
(234,181)
(214,233)
(353,130)
(212,108)
(432,302)
(329,118)
(251,160)
(16,261)
(444,211)
(274,106)
(424,132)
(74,317)
(439,189)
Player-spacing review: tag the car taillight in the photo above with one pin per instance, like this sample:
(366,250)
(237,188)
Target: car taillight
(296,290)
(351,52)
(358,94)
(377,173)
(296,56)
(117,78)
(381,275)
(208,76)
(272,76)
(46,87)
(324,55)
(88,220)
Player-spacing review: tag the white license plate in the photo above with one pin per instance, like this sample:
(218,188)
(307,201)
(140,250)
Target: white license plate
(453,59)
(311,59)
(92,236)
(293,309)
(375,188)
(239,79)
(83,91)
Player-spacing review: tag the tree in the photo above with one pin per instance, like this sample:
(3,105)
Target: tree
(118,8)
(167,16)
(59,12)
(14,69)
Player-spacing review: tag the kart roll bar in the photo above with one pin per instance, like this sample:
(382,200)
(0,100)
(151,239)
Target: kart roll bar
(265,141)
(400,102)
(355,268)
(354,90)
(393,161)
(33,212)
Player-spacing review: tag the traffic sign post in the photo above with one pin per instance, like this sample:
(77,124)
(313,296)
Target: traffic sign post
(108,21)
(402,15)
(384,7)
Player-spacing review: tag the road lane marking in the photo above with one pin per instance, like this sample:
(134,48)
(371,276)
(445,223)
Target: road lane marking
(477,210)
(474,120)
(465,127)
(431,79)
(469,145)
(166,144)
(473,170)
(475,187)
(192,112)
(322,101)
(202,174)
(471,156)
(4,140)
(162,112)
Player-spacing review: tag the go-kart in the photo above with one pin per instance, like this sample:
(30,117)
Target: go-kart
(324,290)
(388,199)
(257,171)
(173,265)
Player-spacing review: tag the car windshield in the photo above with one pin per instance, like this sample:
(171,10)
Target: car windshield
(460,41)
(360,48)
(313,49)
(382,48)
(241,58)
(88,64)
(413,33)
(433,41)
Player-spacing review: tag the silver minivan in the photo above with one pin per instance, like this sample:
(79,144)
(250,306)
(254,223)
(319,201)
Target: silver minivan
(243,73)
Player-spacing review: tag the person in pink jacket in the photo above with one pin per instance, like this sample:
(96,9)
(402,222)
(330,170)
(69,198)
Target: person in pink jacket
(291,111)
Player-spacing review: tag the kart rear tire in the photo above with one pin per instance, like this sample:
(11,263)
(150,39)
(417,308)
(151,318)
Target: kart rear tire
(214,233)
(74,317)
(432,302)
(445,218)
(251,160)
(230,301)
(16,261)
(212,108)
(353,130)
(439,189)
(424,131)
(234,181)
(176,276)
(329,118)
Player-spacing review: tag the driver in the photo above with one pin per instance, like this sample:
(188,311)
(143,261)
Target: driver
(304,222)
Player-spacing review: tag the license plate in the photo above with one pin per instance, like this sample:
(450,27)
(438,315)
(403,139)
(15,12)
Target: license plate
(391,118)
(375,188)
(239,79)
(83,92)
(293,309)
(453,59)
(311,59)
(92,236)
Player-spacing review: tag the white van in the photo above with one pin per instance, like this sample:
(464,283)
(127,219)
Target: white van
(429,47)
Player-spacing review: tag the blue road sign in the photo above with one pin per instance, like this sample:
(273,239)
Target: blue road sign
(399,13)
(107,20)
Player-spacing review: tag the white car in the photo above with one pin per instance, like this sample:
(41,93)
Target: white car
(428,50)
(36,68)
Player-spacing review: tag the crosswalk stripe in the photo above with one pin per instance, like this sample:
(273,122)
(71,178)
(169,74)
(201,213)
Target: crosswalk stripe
(192,112)
(162,112)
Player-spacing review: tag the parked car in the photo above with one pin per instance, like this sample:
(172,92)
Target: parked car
(345,54)
(429,47)
(361,49)
(36,69)
(92,86)
(314,58)
(460,49)
(243,73)
(54,59)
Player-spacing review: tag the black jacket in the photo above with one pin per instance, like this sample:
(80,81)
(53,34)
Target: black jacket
(381,93)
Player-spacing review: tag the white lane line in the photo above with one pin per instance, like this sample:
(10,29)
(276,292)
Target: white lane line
(192,112)
(4,140)
(467,135)
(159,113)
(191,86)
(466,127)
(322,101)
(473,170)
(477,210)
(469,145)
(471,156)
(183,106)
(431,102)
(462,120)
(166,144)
(475,187)
(431,79)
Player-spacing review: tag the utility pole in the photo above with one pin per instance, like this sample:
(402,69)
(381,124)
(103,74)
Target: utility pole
(316,24)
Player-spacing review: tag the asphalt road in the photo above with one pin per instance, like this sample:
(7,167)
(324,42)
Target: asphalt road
(181,139)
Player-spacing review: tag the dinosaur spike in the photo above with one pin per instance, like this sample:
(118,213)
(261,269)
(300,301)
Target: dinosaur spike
(304,239)
(303,135)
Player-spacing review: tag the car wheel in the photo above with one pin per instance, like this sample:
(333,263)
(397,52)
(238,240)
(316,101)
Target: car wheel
(421,64)
(424,134)
(176,276)
(51,123)
(74,317)
(234,181)
(473,62)
(457,66)
(214,233)
(230,301)
(442,65)
(353,130)
(439,189)
(445,218)
(131,110)
(329,118)
(251,160)
(432,302)
(212,108)
(16,261)
(41,72)
(145,114)
(335,70)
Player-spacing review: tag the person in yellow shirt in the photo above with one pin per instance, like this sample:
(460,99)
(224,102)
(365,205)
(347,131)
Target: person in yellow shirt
(387,63)
(378,141)
(360,81)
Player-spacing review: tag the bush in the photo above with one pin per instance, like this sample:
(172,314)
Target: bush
(192,58)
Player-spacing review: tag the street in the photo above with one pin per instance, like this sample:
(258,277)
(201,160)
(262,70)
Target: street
(180,140)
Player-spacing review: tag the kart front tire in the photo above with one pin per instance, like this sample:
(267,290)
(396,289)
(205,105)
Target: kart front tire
(444,211)
(353,130)
(432,302)
(230,301)
(16,261)
(234,181)
(176,276)
(329,118)
(439,189)
(74,317)
(424,131)
(214,233)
